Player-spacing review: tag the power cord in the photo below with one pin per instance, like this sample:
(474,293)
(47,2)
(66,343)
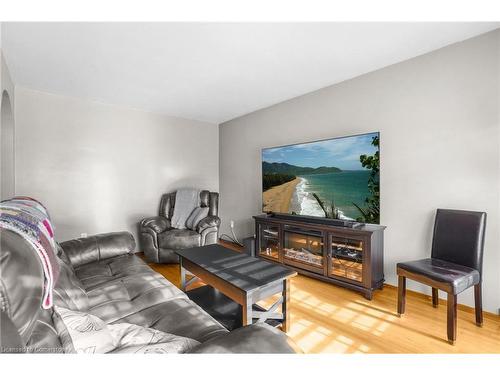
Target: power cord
(232,238)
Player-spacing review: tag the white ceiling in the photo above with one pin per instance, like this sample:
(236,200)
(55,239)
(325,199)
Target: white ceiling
(210,71)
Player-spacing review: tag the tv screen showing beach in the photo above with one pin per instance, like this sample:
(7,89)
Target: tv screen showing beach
(335,178)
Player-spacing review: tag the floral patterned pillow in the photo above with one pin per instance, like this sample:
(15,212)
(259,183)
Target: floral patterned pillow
(81,332)
(132,338)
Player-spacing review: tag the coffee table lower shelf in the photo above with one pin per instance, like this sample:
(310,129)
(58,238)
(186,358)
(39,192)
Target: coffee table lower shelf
(222,308)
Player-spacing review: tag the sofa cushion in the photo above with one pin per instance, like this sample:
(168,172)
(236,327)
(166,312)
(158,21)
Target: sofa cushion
(114,288)
(178,239)
(130,295)
(98,273)
(180,317)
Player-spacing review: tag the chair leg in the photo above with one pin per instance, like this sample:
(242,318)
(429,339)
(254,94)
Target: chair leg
(479,304)
(401,294)
(452,318)
(435,297)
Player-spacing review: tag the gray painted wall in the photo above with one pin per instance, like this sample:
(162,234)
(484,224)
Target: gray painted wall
(101,168)
(438,119)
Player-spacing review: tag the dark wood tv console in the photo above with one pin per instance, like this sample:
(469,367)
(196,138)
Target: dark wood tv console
(341,255)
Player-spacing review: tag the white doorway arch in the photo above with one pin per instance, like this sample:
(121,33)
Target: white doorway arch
(7,148)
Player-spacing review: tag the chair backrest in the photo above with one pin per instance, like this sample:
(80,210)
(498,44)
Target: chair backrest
(207,199)
(459,237)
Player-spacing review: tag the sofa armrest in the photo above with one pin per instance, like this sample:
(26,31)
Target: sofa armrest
(208,222)
(157,223)
(94,248)
(254,338)
(9,335)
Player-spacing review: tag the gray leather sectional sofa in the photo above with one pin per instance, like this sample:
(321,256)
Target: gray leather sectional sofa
(101,275)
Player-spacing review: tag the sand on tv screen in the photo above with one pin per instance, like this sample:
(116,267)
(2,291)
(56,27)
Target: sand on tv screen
(336,178)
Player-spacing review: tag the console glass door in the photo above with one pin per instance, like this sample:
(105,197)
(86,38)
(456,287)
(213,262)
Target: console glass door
(269,241)
(346,257)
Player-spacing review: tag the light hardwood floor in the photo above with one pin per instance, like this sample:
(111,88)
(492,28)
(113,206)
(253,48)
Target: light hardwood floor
(329,319)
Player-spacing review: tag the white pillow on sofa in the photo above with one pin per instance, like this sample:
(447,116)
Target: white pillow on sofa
(136,339)
(82,332)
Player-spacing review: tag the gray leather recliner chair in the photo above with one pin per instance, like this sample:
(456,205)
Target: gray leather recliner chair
(159,240)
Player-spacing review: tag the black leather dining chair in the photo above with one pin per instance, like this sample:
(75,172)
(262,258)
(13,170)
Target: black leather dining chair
(456,263)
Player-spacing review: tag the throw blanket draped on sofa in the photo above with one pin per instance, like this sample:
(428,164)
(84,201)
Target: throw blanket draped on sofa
(29,218)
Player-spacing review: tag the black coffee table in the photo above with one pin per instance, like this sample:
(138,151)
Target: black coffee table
(235,283)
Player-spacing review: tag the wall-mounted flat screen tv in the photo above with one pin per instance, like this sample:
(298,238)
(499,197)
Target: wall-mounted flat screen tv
(337,178)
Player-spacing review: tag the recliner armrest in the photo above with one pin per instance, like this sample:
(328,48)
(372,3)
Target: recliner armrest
(158,223)
(254,338)
(208,222)
(81,251)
